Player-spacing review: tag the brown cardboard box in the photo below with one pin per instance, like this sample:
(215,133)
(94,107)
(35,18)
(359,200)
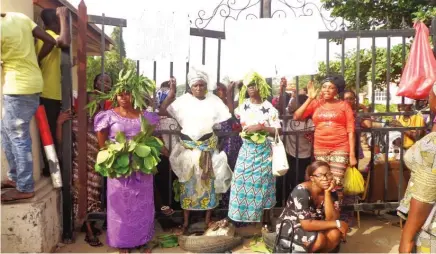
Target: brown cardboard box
(377,182)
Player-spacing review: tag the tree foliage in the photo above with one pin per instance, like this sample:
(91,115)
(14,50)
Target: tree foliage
(112,63)
(381,13)
(365,67)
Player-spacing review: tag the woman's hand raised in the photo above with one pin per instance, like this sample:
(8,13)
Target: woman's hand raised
(311,91)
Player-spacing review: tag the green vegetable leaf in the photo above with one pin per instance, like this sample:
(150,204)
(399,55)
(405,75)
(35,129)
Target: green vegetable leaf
(123,160)
(102,156)
(116,147)
(131,145)
(149,162)
(120,137)
(142,151)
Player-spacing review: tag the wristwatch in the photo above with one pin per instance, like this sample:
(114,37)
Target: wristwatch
(338,223)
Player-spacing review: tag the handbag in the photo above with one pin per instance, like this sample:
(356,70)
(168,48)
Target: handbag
(279,159)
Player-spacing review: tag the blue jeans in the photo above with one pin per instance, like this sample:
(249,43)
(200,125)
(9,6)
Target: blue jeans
(16,142)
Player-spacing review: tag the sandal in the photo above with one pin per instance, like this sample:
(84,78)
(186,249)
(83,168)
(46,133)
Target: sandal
(167,211)
(148,247)
(8,184)
(13,196)
(94,241)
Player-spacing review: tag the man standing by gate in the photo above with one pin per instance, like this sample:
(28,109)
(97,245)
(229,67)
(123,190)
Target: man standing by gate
(55,23)
(22,84)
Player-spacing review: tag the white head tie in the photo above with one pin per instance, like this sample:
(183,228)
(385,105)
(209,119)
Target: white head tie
(200,73)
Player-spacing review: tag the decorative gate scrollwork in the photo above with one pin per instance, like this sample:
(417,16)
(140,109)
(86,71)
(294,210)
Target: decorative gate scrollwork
(234,10)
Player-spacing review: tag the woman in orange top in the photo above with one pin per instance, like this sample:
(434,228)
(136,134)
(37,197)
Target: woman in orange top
(334,126)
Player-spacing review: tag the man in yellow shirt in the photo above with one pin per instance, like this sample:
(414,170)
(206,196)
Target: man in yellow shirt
(22,84)
(55,23)
(417,120)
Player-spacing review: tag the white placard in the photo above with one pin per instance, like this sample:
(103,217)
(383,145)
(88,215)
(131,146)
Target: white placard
(161,35)
(272,47)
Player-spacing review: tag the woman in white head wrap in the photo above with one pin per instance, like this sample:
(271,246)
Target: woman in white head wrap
(202,172)
(419,203)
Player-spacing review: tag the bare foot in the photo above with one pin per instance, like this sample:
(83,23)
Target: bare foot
(14,195)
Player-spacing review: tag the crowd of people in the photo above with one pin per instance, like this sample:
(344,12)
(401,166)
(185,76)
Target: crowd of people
(232,171)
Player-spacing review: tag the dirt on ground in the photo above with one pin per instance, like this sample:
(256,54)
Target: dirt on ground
(377,234)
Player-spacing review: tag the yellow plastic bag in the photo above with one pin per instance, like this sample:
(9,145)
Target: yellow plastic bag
(353,182)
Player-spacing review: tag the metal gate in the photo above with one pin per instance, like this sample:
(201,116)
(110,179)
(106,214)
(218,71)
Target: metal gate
(335,33)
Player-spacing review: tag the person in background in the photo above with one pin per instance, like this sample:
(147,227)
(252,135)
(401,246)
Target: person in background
(434,125)
(349,96)
(313,208)
(365,122)
(416,120)
(22,84)
(163,91)
(418,205)
(56,25)
(334,127)
(95,182)
(229,144)
(304,156)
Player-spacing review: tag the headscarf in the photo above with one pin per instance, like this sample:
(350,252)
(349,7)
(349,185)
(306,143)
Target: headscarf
(336,80)
(408,101)
(259,82)
(200,73)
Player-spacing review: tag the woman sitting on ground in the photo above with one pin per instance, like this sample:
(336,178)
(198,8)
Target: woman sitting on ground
(314,211)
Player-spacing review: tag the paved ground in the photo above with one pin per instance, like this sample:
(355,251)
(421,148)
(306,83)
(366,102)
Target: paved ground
(378,234)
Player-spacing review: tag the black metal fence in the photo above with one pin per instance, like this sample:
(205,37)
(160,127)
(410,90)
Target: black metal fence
(379,133)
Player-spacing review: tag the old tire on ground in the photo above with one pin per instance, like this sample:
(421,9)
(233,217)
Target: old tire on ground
(209,244)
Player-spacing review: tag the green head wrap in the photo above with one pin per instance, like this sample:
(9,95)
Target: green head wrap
(256,79)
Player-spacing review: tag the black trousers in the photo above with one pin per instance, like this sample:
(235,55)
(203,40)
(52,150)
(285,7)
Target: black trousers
(52,110)
(295,176)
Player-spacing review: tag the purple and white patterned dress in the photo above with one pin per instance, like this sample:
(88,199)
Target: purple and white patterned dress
(130,200)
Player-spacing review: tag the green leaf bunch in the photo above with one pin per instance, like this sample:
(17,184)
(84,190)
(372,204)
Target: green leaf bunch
(256,137)
(261,84)
(122,157)
(140,87)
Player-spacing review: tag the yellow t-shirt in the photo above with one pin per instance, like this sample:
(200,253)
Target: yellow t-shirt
(20,73)
(412,121)
(51,70)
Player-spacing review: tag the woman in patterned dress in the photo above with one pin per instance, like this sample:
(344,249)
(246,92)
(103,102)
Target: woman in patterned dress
(313,209)
(334,127)
(419,203)
(202,172)
(253,184)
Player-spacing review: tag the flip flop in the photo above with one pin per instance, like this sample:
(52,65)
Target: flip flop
(94,241)
(167,211)
(8,197)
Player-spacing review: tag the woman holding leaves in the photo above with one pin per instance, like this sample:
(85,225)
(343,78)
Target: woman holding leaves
(202,172)
(253,184)
(128,157)
(334,127)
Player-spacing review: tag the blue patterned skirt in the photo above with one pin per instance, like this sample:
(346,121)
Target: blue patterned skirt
(253,186)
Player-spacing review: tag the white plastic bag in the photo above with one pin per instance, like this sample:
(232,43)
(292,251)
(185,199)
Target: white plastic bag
(222,171)
(279,159)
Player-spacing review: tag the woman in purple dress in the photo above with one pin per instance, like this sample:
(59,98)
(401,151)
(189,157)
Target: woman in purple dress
(130,203)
